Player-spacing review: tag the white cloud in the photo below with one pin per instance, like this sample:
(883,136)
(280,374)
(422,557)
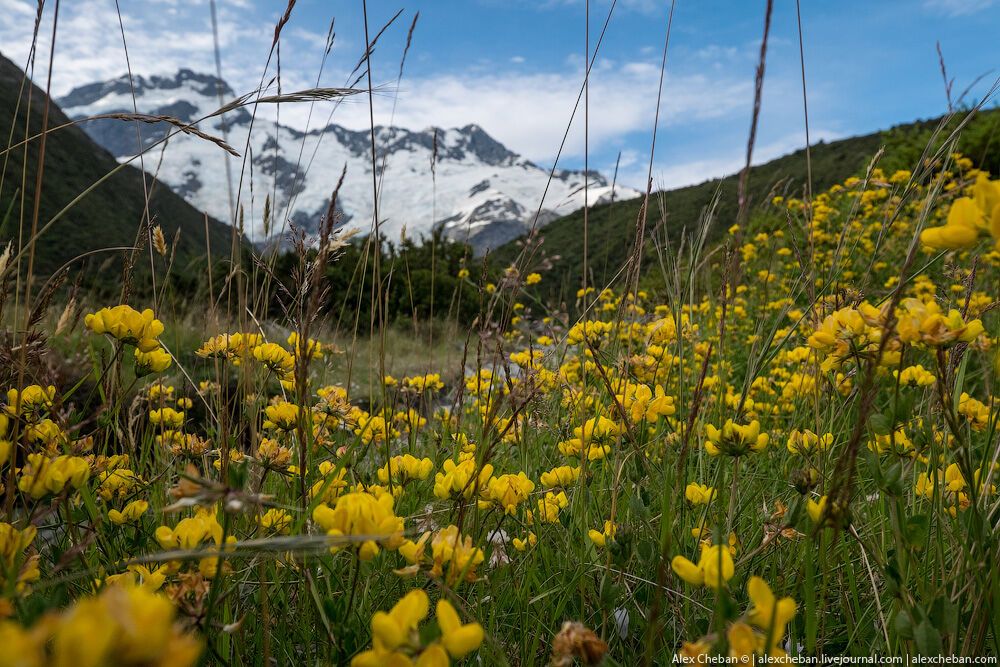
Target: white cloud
(529,111)
(526,109)
(163,36)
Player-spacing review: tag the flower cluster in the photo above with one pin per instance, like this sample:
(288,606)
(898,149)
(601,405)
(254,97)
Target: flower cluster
(395,636)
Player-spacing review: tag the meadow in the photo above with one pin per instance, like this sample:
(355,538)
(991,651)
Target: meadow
(789,449)
(765,433)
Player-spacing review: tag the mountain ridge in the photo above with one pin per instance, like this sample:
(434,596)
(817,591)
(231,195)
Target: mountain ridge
(612,226)
(461,180)
(110,215)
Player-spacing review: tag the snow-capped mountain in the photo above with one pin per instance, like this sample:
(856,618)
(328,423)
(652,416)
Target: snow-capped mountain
(479,190)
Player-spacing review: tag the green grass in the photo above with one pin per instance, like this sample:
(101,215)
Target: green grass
(612,227)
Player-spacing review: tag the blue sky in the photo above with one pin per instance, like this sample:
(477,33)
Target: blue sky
(515,66)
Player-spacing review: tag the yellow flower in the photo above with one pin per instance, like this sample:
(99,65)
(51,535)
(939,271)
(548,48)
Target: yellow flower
(914,376)
(364,516)
(968,219)
(118,483)
(404,468)
(412,551)
(183,444)
(154,361)
(768,613)
(276,521)
(459,639)
(592,331)
(815,508)
(124,625)
(462,479)
(374,428)
(48,433)
(801,442)
(699,494)
(422,383)
(897,443)
(848,333)
(530,540)
(272,454)
(395,637)
(735,439)
(334,480)
(533,279)
(923,323)
(127,325)
(561,476)
(313,349)
(924,486)
(393,628)
(275,358)
(129,514)
(600,538)
(595,435)
(950,236)
(643,403)
(977,412)
(22,648)
(30,400)
(550,504)
(167,418)
(229,346)
(693,651)
(281,415)
(714,568)
(43,476)
(190,532)
(509,491)
(448,547)
(953,478)
(743,641)
(14,562)
(159,393)
(135,574)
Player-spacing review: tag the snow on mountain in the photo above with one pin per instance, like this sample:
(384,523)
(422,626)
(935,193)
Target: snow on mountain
(479,191)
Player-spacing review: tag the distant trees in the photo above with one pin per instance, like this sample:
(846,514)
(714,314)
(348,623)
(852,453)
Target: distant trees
(418,279)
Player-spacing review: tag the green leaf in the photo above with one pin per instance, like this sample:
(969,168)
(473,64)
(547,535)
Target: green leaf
(903,624)
(638,509)
(645,550)
(904,408)
(892,482)
(880,423)
(944,614)
(916,530)
(927,638)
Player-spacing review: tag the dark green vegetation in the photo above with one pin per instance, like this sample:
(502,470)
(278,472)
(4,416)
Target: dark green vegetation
(612,227)
(419,280)
(108,217)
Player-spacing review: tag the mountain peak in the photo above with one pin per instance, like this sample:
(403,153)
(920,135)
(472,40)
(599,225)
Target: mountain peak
(183,81)
(478,190)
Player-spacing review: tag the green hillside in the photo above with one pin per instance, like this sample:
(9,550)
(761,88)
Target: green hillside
(110,215)
(612,227)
